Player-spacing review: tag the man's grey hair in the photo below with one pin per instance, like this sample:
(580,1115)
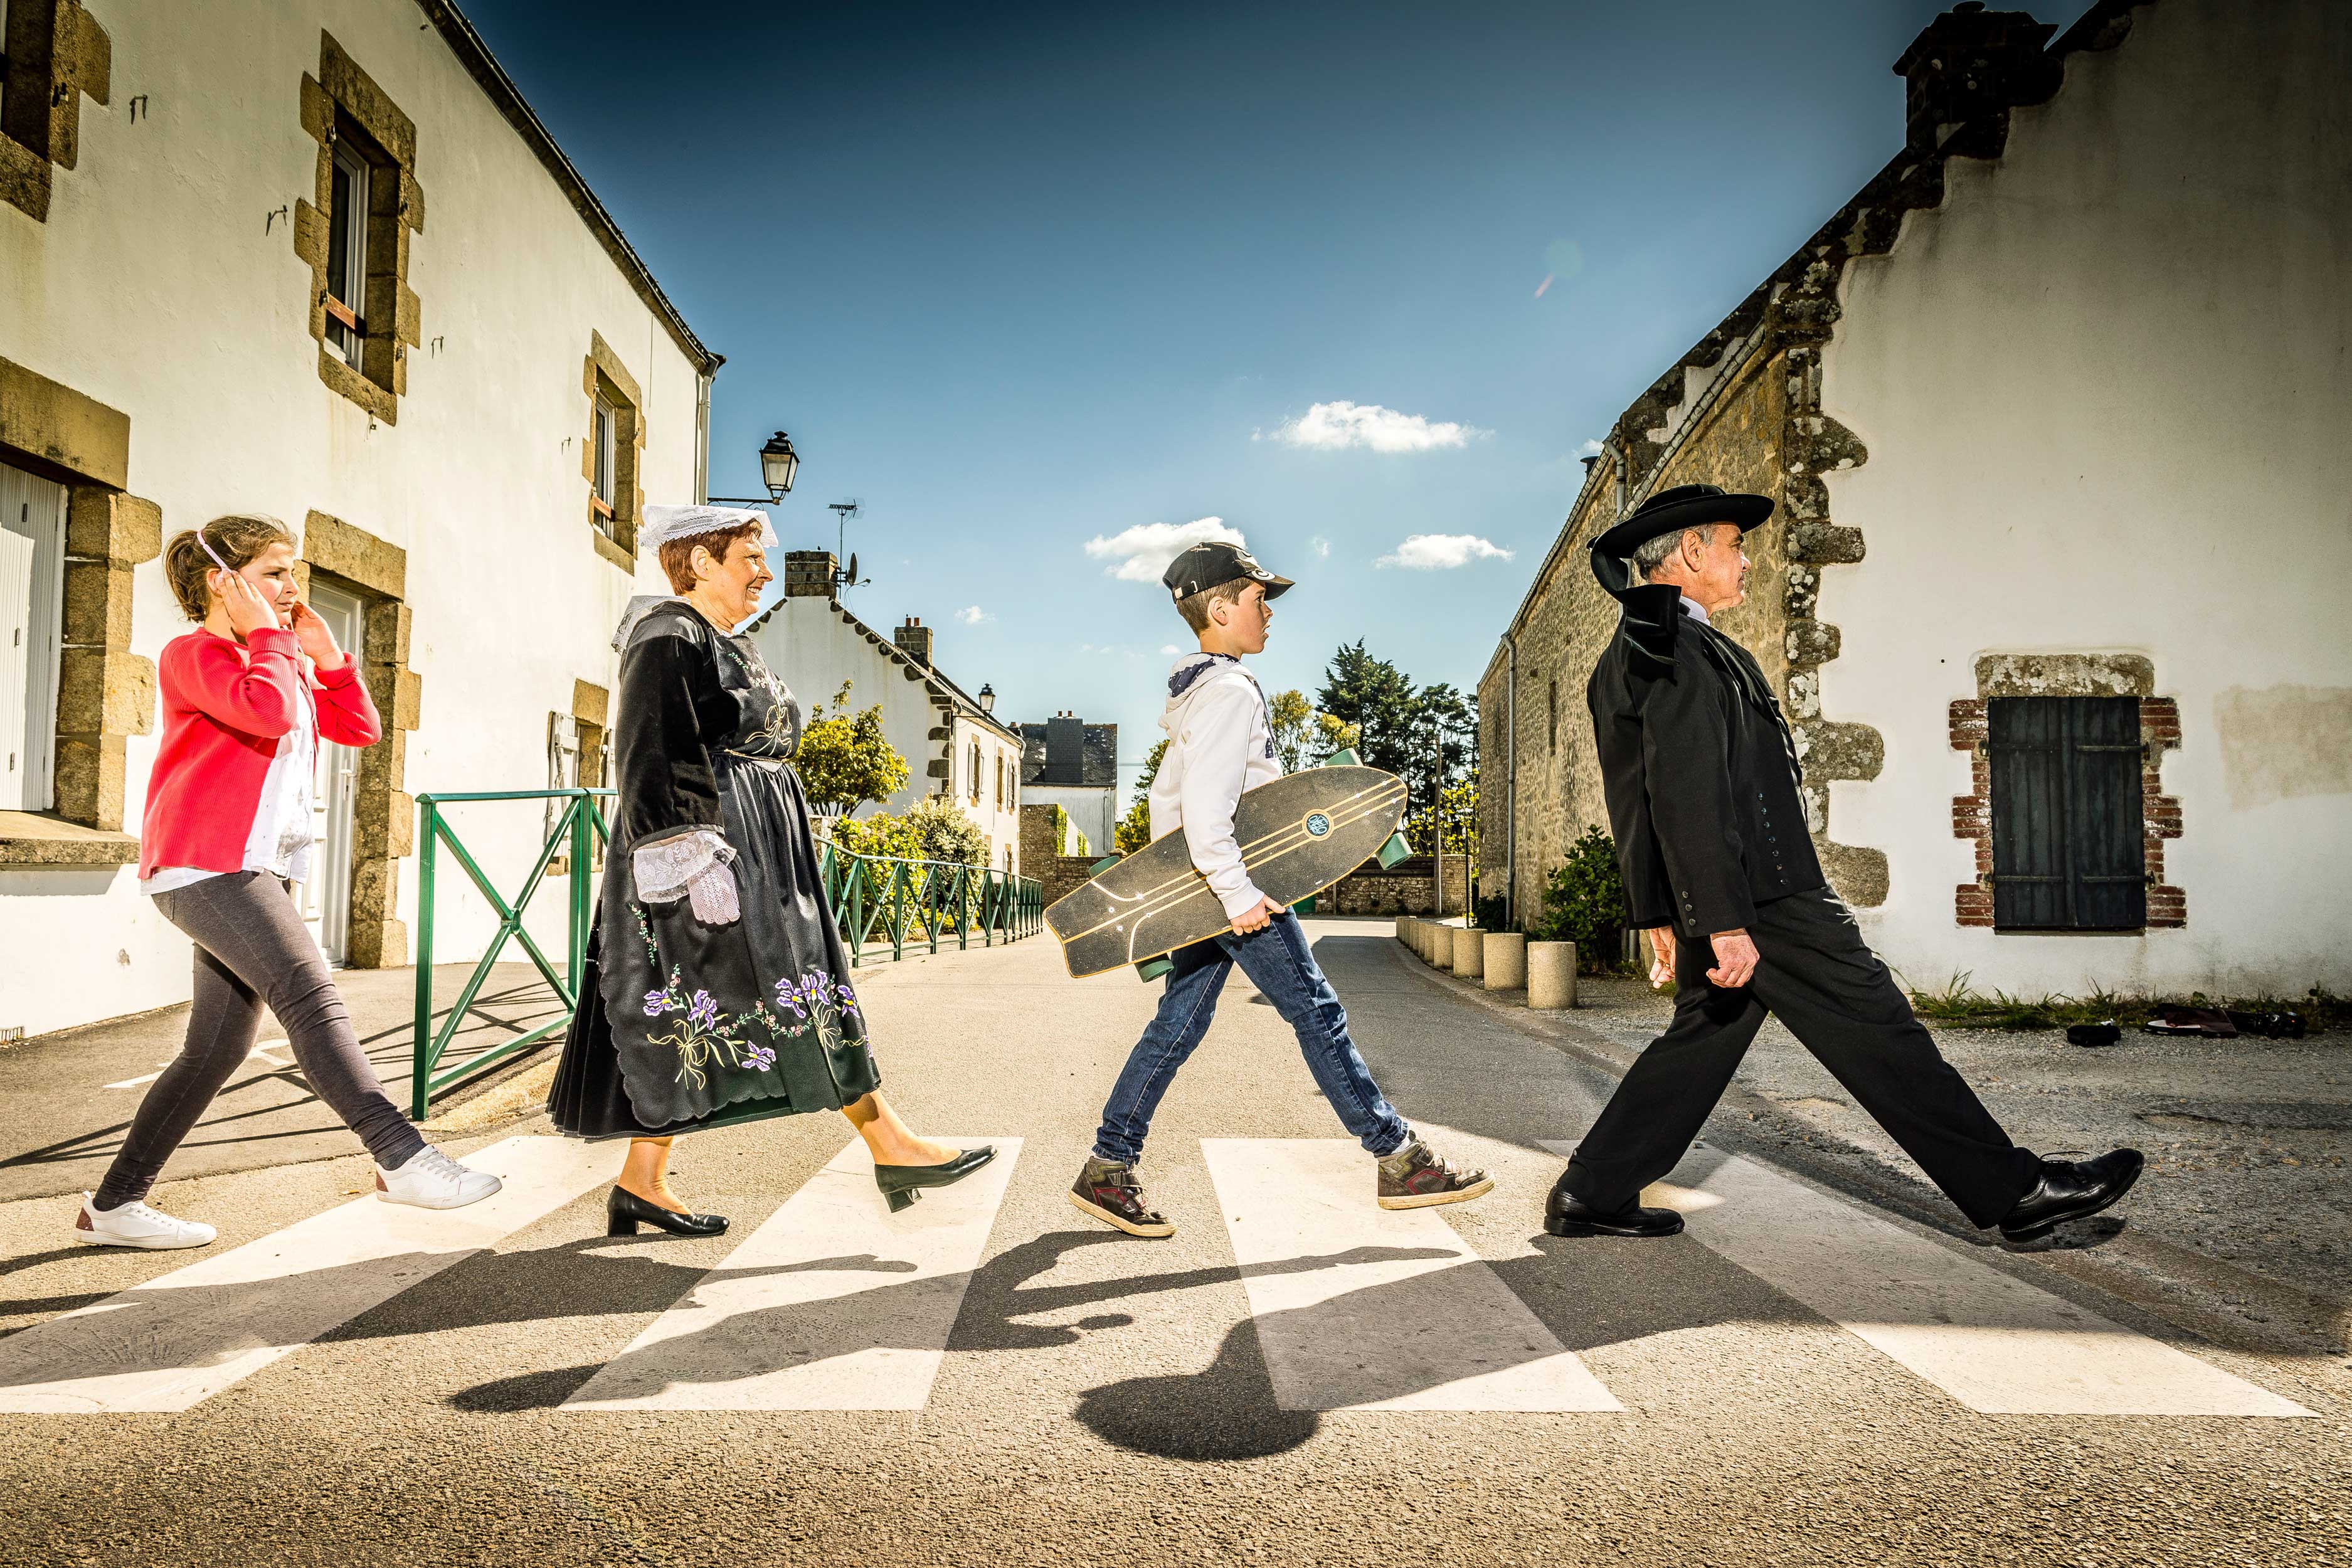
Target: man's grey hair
(1652,552)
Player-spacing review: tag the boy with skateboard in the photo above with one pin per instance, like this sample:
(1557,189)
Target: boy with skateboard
(1219,745)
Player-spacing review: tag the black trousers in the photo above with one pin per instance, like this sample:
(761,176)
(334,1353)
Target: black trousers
(1817,976)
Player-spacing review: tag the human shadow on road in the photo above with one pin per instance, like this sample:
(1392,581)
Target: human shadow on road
(996,1301)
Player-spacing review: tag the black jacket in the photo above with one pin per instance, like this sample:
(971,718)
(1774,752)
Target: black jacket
(1699,769)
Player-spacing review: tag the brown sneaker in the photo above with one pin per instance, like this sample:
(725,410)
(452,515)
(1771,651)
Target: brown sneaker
(1415,1178)
(1109,1191)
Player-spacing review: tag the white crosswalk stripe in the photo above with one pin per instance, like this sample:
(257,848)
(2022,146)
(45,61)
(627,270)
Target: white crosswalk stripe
(834,1304)
(178,1340)
(1991,1340)
(1359,1307)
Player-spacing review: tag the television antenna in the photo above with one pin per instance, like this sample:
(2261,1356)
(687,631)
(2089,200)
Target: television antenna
(846,575)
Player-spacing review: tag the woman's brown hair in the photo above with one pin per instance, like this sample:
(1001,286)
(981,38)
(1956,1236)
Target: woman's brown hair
(237,538)
(676,555)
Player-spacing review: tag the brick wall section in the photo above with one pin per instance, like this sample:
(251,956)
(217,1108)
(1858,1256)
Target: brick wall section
(2159,731)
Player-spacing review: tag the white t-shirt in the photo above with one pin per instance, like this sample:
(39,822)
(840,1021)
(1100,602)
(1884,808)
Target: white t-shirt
(283,826)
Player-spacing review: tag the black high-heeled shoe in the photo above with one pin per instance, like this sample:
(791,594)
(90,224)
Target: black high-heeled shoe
(623,1211)
(902,1184)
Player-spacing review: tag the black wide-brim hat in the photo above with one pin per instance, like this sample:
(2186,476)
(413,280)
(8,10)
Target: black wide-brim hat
(1683,505)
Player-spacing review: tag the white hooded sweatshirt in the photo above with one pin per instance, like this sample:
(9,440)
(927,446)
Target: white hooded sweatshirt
(1218,745)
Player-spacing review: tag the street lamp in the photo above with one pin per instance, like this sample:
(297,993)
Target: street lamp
(778,466)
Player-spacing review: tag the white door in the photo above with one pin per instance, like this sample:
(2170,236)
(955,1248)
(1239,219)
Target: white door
(32,618)
(327,896)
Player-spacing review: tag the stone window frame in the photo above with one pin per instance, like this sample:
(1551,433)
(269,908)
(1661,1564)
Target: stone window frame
(343,104)
(60,62)
(383,817)
(106,693)
(603,375)
(2067,675)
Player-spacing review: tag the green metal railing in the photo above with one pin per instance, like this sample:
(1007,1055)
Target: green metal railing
(920,900)
(910,901)
(573,824)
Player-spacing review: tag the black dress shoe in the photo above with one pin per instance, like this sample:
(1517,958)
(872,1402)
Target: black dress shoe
(2069,1189)
(624,1211)
(902,1184)
(1567,1214)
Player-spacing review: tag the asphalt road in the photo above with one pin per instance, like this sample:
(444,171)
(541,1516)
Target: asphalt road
(1821,1371)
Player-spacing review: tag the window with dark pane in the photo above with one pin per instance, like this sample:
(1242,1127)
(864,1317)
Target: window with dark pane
(2068,836)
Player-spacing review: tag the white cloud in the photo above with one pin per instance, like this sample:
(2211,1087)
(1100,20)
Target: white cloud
(1442,551)
(1139,555)
(1589,449)
(1335,427)
(1321,546)
(1170,649)
(972,615)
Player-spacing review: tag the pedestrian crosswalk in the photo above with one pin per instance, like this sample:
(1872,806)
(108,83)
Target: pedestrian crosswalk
(835,1303)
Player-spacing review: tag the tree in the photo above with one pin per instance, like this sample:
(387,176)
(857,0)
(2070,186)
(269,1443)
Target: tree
(1333,736)
(1458,812)
(943,832)
(844,762)
(1375,696)
(1133,831)
(1291,718)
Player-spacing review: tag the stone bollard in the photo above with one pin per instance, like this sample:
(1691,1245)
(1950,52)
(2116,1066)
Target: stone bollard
(1470,952)
(1440,948)
(1551,975)
(1404,927)
(1417,935)
(1506,959)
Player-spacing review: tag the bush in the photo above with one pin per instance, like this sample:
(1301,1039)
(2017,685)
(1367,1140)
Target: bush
(1492,913)
(933,828)
(1584,902)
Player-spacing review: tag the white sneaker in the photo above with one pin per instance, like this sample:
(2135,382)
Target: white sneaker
(431,1180)
(136,1224)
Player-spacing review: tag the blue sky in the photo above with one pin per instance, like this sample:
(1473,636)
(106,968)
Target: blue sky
(1025,280)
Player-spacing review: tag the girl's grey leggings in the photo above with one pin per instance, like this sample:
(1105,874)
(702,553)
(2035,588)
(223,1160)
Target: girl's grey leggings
(252,952)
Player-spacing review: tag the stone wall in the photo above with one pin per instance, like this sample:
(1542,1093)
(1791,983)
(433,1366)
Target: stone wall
(1041,857)
(1407,889)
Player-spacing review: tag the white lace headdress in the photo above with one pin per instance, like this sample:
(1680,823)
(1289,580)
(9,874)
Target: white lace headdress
(662,523)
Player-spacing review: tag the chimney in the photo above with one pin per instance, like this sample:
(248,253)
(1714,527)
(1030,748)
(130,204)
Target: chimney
(808,573)
(1066,747)
(1967,68)
(914,640)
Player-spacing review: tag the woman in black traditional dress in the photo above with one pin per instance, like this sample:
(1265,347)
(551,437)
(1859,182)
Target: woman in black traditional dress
(716,990)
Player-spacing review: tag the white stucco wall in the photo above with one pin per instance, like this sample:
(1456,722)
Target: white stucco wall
(153,287)
(813,649)
(813,646)
(2105,391)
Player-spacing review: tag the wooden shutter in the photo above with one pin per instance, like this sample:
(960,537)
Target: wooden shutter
(2067,830)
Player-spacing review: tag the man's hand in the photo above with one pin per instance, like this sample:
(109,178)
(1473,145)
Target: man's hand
(1735,960)
(1256,920)
(1662,955)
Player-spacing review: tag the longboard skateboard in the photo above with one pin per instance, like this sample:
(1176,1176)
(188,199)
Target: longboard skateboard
(1299,836)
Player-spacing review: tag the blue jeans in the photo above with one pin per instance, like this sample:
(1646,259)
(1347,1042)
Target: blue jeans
(1277,962)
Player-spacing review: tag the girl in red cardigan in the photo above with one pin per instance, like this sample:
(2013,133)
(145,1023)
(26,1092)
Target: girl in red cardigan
(246,697)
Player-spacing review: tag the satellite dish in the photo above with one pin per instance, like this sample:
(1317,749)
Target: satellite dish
(852,566)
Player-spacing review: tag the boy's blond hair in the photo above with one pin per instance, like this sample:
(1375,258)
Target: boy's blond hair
(1195,607)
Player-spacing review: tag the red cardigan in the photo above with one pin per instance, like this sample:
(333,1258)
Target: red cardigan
(226,707)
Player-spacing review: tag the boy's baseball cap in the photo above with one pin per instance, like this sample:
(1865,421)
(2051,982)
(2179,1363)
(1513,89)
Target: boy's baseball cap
(1205,566)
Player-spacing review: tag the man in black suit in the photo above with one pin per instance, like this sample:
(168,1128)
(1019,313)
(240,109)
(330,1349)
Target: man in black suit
(1701,775)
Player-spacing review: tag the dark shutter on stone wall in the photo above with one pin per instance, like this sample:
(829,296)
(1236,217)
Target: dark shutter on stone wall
(2069,850)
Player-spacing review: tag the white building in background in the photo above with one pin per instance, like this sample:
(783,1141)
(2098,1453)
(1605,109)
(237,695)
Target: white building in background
(1068,762)
(315,258)
(2055,411)
(953,744)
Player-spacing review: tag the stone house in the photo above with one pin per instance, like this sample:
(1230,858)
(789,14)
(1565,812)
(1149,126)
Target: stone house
(1068,762)
(955,745)
(316,260)
(2054,411)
